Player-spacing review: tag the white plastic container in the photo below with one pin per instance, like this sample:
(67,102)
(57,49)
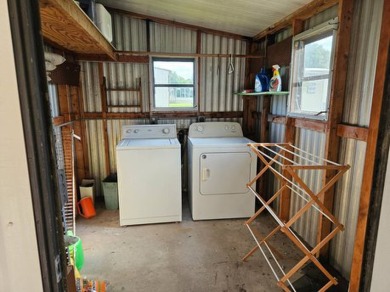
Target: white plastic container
(87,189)
(103,21)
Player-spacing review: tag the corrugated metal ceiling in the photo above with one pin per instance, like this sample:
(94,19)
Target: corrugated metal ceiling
(243,17)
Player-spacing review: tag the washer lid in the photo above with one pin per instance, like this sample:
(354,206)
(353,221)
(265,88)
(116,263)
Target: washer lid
(145,144)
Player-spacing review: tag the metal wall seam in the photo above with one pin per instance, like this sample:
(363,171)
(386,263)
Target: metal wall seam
(346,205)
(312,142)
(130,34)
(94,134)
(360,80)
(90,87)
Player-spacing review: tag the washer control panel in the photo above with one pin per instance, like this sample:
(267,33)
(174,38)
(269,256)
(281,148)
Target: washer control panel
(215,130)
(149,131)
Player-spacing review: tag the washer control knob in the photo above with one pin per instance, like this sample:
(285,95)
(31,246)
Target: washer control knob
(233,128)
(200,128)
(166,131)
(136,131)
(226,128)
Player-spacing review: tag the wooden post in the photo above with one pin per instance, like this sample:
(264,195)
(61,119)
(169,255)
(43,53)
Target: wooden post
(83,130)
(365,194)
(336,105)
(198,51)
(77,127)
(289,137)
(104,112)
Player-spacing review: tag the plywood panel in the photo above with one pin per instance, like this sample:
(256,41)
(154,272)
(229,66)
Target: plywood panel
(65,25)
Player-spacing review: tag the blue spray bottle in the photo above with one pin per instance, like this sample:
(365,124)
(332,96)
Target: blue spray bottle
(261,81)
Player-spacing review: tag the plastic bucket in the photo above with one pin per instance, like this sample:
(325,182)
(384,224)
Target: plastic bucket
(110,192)
(86,208)
(75,248)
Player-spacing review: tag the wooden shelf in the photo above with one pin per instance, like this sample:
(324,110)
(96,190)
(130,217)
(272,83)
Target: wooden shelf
(262,93)
(64,24)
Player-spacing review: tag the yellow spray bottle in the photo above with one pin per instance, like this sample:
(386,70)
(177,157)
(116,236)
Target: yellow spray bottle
(275,84)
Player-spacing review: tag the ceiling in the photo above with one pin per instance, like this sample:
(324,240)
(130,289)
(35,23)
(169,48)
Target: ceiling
(243,17)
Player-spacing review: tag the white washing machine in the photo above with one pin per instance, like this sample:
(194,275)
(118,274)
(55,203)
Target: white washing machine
(220,164)
(149,175)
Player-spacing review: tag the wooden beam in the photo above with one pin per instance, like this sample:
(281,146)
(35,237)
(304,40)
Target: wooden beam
(65,24)
(198,51)
(264,137)
(197,54)
(285,198)
(162,115)
(277,119)
(303,13)
(77,128)
(336,105)
(177,24)
(289,137)
(318,126)
(249,122)
(119,58)
(352,132)
(369,164)
(83,135)
(103,95)
(58,120)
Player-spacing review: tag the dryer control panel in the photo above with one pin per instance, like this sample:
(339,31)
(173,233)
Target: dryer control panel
(149,131)
(215,130)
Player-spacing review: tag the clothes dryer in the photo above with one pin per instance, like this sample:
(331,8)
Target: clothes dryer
(220,165)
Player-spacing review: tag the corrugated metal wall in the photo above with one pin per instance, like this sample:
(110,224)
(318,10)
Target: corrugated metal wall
(321,17)
(357,107)
(169,39)
(216,84)
(312,142)
(279,108)
(362,65)
(126,76)
(347,204)
(129,34)
(365,38)
(89,77)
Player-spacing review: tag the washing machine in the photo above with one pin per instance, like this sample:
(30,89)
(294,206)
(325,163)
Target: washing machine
(220,164)
(149,175)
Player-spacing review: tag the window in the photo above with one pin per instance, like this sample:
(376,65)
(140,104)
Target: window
(173,83)
(312,67)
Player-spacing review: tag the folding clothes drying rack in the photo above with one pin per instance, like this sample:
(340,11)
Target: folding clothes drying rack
(287,162)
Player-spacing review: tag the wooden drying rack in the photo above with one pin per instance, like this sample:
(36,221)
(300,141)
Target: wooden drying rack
(286,162)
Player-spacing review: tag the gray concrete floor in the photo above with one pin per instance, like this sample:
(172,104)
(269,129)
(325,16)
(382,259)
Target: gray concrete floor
(179,257)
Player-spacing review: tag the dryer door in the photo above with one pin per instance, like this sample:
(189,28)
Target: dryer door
(224,173)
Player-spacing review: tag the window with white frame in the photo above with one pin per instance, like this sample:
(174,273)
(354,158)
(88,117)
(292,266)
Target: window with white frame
(312,68)
(173,83)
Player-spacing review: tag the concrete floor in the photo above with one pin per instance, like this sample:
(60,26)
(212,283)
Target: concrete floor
(178,257)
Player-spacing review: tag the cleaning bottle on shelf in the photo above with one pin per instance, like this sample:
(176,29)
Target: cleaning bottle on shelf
(275,83)
(261,81)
